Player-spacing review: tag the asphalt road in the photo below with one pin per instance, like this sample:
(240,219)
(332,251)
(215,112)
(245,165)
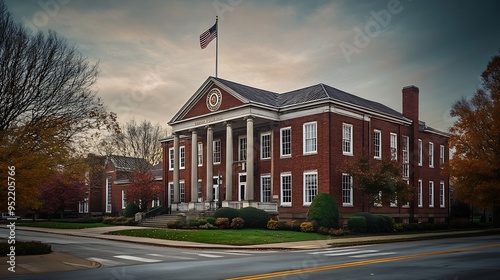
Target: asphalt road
(454,258)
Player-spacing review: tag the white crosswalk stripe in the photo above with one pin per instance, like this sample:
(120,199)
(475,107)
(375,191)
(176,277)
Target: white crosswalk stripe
(357,252)
(185,256)
(135,258)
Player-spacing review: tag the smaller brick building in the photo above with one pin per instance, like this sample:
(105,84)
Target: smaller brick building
(107,184)
(235,145)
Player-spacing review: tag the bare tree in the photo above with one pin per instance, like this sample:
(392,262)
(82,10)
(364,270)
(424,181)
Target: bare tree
(140,140)
(45,84)
(47,106)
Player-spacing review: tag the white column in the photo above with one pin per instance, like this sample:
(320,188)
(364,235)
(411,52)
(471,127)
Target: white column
(194,166)
(210,162)
(250,167)
(229,162)
(176,169)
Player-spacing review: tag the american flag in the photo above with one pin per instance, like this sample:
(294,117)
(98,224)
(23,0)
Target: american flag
(207,36)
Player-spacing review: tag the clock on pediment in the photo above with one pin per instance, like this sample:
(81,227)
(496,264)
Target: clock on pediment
(214,99)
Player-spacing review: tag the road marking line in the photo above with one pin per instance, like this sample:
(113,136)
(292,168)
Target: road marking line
(203,255)
(105,262)
(134,258)
(156,255)
(351,253)
(171,257)
(358,263)
(373,255)
(332,251)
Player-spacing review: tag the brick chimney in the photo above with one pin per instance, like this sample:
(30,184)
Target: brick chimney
(410,103)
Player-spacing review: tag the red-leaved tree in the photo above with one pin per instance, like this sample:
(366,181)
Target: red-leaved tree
(61,193)
(143,189)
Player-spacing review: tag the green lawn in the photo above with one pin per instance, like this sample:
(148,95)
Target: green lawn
(61,225)
(227,237)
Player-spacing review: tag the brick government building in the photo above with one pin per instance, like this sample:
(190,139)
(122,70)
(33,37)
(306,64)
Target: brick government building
(236,146)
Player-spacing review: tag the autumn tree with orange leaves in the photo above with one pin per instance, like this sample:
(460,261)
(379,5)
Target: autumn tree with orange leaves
(475,166)
(143,189)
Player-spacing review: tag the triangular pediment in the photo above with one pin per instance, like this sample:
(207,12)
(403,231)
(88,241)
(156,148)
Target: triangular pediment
(213,96)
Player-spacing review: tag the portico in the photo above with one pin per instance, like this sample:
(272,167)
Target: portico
(221,136)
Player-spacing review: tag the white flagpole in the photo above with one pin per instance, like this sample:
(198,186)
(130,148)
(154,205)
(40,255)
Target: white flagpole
(216,44)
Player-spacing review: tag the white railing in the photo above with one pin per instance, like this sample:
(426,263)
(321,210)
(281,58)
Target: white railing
(268,206)
(235,204)
(183,207)
(200,206)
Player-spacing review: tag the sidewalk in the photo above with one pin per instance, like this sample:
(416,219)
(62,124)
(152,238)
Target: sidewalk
(61,262)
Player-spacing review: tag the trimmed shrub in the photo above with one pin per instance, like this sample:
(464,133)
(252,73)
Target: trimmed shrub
(253,217)
(226,212)
(283,225)
(26,248)
(211,220)
(371,222)
(193,223)
(272,224)
(176,224)
(222,223)
(357,224)
(202,222)
(120,220)
(306,227)
(131,210)
(384,223)
(398,227)
(338,232)
(295,225)
(324,211)
(237,223)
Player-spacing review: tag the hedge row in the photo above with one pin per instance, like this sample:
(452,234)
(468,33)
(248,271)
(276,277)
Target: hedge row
(252,217)
(371,223)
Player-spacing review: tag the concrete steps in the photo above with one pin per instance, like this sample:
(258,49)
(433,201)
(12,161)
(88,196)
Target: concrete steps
(160,221)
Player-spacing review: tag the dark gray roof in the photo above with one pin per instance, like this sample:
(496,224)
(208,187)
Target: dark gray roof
(128,163)
(305,95)
(157,170)
(252,94)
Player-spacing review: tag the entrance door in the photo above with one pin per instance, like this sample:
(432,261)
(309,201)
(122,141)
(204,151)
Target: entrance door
(215,189)
(242,185)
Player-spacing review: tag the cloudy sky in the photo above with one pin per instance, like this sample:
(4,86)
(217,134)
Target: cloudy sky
(151,62)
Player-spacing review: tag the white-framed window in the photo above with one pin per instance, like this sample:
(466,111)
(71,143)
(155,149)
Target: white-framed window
(199,188)
(441,155)
(182,157)
(286,142)
(442,197)
(420,161)
(265,188)
(200,154)
(155,202)
(431,154)
(182,191)
(83,206)
(347,139)
(420,198)
(347,191)
(109,183)
(431,194)
(217,151)
(265,145)
(242,148)
(377,144)
(394,202)
(171,159)
(394,146)
(310,186)
(378,201)
(406,156)
(407,204)
(170,193)
(124,199)
(286,189)
(310,138)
